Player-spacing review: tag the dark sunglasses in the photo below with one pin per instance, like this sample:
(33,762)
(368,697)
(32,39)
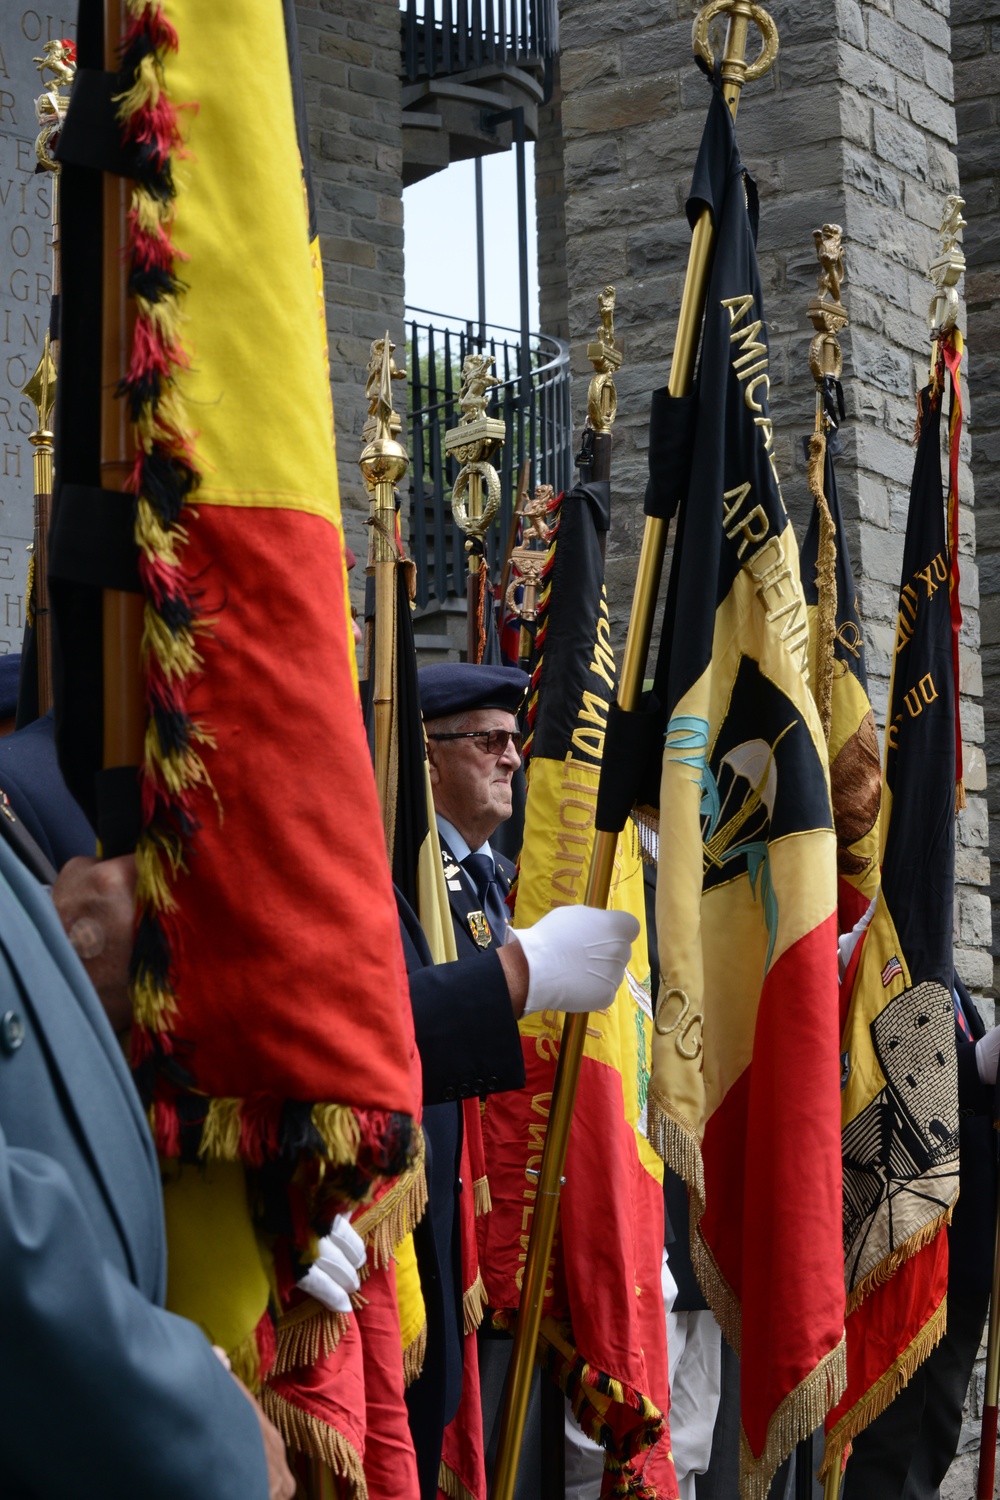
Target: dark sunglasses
(496,739)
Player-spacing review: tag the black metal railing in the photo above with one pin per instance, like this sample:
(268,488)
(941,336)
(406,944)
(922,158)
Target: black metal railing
(452,36)
(534,404)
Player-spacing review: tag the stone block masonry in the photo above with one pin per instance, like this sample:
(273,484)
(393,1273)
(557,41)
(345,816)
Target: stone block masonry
(856,125)
(351,64)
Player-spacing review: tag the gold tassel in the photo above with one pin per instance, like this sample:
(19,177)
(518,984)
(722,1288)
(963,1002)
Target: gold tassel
(449,1484)
(220,1136)
(306,1434)
(826,585)
(474,1301)
(885,1389)
(959,796)
(413,1357)
(798,1416)
(305,1334)
(481,1198)
(245,1362)
(339,1131)
(887,1268)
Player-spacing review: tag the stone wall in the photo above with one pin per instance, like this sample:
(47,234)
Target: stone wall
(25,290)
(350,61)
(855,124)
(975,26)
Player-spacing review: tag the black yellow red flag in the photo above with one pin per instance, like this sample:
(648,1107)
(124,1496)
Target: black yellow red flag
(743,1099)
(603,1334)
(899,1085)
(839,675)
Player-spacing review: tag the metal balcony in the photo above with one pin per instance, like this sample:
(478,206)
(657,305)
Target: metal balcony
(466,64)
(534,402)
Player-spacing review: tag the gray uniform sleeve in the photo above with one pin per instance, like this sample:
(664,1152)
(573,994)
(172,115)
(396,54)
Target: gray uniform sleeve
(103,1394)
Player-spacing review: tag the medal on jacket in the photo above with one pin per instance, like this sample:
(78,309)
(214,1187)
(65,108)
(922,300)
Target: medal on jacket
(480,928)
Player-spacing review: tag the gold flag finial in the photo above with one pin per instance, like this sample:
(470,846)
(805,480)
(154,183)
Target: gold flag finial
(947,269)
(383,459)
(58,58)
(41,388)
(473,443)
(605,354)
(736,71)
(827,312)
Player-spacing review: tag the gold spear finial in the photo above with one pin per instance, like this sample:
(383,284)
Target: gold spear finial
(947,270)
(41,388)
(606,355)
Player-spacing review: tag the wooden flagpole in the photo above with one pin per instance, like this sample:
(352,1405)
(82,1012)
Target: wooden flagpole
(735,72)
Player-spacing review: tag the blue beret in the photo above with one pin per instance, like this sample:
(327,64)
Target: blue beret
(10,672)
(458,687)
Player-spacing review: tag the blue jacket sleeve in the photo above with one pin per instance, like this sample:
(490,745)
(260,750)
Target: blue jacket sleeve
(103,1394)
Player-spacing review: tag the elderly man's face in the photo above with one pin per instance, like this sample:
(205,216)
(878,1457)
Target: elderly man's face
(472,789)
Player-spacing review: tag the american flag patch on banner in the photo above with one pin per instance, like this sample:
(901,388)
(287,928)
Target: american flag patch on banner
(889,973)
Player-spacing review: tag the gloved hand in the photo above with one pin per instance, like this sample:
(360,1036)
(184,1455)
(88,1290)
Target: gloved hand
(988,1055)
(576,957)
(333,1275)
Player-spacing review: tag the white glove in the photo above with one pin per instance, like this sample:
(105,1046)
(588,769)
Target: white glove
(576,957)
(333,1275)
(988,1055)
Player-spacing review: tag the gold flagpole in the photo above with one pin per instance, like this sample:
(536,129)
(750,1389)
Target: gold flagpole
(735,72)
(383,463)
(51,107)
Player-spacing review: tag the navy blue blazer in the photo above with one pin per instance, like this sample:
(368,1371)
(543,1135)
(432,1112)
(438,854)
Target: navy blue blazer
(469,1045)
(105,1396)
(31,778)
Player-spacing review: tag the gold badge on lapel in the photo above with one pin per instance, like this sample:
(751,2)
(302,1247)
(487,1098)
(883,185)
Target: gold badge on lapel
(480,928)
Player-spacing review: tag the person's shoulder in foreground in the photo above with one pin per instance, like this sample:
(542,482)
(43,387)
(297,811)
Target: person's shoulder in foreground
(104,1393)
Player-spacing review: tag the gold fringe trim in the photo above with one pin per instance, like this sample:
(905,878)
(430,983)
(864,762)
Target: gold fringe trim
(887,1268)
(674,1138)
(888,1386)
(960,802)
(339,1131)
(245,1361)
(826,585)
(449,1484)
(305,1334)
(481,1196)
(397,1213)
(220,1135)
(474,1302)
(798,1416)
(307,1434)
(413,1357)
(718,1293)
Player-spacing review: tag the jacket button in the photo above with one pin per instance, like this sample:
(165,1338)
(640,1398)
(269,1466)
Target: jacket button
(448,1094)
(479,1087)
(11,1032)
(493,1083)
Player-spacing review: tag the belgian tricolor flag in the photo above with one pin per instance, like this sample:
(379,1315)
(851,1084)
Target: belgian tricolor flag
(744,1099)
(899,1086)
(603,1335)
(272,1032)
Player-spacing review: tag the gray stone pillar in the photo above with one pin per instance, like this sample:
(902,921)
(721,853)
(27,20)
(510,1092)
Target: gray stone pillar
(351,64)
(855,125)
(25,290)
(975,29)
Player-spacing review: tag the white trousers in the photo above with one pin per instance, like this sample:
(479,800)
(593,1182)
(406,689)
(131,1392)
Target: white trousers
(694,1352)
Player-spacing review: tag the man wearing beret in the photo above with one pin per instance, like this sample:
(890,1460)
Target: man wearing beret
(466,1013)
